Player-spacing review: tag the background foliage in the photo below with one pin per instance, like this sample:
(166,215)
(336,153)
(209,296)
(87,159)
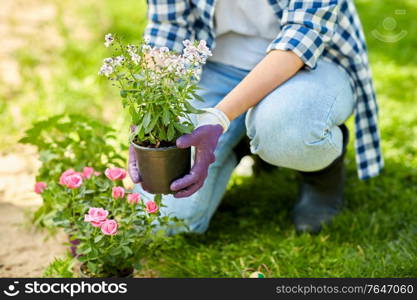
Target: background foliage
(73,141)
(374,236)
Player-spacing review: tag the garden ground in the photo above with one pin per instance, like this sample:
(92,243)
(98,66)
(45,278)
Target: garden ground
(25,252)
(51,51)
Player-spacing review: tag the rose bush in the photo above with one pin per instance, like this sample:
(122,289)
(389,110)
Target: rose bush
(113,227)
(115,174)
(109,226)
(65,143)
(40,187)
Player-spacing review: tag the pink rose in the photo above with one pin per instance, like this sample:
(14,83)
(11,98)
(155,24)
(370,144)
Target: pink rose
(118,192)
(151,207)
(88,172)
(96,216)
(115,174)
(109,227)
(133,198)
(40,187)
(66,174)
(73,181)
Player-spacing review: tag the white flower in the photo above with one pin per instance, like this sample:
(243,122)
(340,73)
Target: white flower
(108,40)
(146,48)
(135,58)
(191,53)
(203,49)
(181,67)
(107,67)
(180,71)
(108,60)
(147,40)
(154,52)
(196,53)
(173,62)
(187,43)
(131,49)
(197,73)
(106,70)
(154,78)
(118,60)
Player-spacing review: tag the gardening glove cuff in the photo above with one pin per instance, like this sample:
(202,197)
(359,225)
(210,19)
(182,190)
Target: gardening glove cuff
(213,116)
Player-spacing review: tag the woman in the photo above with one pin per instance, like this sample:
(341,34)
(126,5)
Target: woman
(288,74)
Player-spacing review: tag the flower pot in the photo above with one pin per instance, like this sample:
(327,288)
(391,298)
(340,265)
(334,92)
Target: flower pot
(126,273)
(158,167)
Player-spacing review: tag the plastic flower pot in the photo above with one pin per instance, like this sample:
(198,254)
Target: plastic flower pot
(159,167)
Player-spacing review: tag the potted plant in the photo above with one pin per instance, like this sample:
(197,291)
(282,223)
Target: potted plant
(112,226)
(156,86)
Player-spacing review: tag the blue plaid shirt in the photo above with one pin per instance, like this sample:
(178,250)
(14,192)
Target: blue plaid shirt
(312,29)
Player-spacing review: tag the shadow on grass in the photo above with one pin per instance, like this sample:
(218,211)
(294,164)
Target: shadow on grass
(265,202)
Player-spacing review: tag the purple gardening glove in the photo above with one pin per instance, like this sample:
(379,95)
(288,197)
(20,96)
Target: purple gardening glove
(204,139)
(132,166)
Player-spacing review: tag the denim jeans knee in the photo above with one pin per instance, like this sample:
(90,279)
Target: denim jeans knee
(296,126)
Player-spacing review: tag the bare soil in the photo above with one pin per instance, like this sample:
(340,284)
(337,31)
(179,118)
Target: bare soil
(24,251)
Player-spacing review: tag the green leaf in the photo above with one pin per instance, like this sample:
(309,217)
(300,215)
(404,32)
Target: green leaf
(60,268)
(123,93)
(198,97)
(98,238)
(26,140)
(146,120)
(170,132)
(183,128)
(85,251)
(158,198)
(46,156)
(162,133)
(152,124)
(133,114)
(165,116)
(127,250)
(115,251)
(92,267)
(192,109)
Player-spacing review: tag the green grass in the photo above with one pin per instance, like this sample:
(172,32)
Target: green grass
(374,236)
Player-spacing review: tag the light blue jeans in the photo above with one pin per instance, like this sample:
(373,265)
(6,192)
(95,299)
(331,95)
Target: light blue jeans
(295,127)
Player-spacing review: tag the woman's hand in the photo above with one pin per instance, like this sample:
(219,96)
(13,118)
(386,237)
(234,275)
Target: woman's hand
(204,139)
(210,126)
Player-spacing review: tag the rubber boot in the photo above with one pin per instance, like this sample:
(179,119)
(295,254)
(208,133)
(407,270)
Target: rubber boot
(321,194)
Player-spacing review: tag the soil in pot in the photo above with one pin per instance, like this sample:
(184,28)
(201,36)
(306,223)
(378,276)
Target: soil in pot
(159,167)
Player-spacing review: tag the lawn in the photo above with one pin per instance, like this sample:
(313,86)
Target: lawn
(374,236)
